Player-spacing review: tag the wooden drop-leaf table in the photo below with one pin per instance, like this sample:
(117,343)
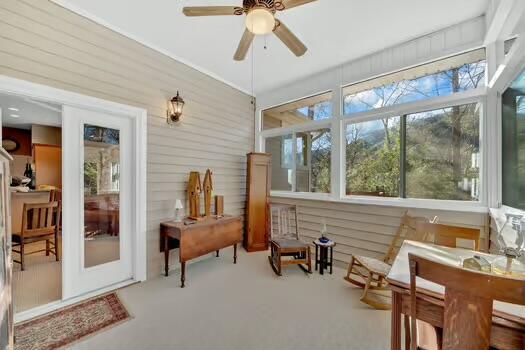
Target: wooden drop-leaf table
(200,238)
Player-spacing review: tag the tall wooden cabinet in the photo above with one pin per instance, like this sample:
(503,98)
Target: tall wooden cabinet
(257,206)
(6,304)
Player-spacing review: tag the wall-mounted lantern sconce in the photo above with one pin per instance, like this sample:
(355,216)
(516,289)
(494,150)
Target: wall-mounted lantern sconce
(174,112)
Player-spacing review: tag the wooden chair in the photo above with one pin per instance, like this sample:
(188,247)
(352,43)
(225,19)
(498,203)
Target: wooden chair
(370,273)
(430,337)
(467,309)
(39,223)
(285,246)
(447,235)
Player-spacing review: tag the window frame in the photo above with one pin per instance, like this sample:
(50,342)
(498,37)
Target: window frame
(469,97)
(337,125)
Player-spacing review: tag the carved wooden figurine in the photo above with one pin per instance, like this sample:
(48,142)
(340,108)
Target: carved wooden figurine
(194,191)
(207,186)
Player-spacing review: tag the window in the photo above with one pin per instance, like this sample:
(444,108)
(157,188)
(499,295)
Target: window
(426,155)
(313,161)
(429,150)
(281,149)
(317,107)
(513,144)
(372,158)
(312,157)
(442,150)
(451,75)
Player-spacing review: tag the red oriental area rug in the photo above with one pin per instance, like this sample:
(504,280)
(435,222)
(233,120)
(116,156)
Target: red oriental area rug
(69,325)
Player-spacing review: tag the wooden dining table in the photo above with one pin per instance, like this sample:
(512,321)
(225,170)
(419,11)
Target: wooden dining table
(508,320)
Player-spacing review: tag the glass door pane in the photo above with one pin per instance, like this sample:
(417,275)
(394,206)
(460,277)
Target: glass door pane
(101,195)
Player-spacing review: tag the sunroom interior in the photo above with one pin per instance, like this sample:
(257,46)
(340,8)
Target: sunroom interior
(330,188)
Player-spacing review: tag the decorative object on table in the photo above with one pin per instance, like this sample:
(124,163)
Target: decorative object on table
(174,112)
(370,273)
(200,238)
(179,211)
(477,263)
(194,192)
(207,187)
(324,254)
(285,246)
(323,238)
(258,196)
(219,206)
(62,328)
(512,249)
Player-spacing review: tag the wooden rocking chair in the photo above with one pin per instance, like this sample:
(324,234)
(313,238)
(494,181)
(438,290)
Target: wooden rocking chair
(370,273)
(284,240)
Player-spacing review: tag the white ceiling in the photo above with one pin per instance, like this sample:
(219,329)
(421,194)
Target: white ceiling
(29,112)
(335,31)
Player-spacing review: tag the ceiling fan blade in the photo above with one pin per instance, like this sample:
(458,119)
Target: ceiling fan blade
(212,11)
(288,4)
(244,45)
(289,39)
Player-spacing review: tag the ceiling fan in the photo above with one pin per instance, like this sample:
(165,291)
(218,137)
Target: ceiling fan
(260,20)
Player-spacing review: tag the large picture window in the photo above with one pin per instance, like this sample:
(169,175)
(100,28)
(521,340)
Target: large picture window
(372,158)
(442,151)
(427,155)
(415,134)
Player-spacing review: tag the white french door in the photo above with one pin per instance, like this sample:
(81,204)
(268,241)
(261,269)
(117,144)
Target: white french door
(98,200)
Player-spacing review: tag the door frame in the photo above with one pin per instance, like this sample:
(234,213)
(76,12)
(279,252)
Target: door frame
(139,119)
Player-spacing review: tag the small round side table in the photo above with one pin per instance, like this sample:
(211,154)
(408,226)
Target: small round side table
(322,258)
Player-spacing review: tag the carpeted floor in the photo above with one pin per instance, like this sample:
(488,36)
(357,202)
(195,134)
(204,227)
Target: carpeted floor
(245,307)
(41,282)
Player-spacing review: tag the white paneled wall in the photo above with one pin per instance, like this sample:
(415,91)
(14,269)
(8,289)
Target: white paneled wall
(47,44)
(368,229)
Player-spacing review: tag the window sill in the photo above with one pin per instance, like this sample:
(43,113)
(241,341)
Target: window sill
(450,205)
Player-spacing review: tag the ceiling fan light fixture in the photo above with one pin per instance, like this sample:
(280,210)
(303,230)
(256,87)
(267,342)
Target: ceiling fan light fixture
(260,21)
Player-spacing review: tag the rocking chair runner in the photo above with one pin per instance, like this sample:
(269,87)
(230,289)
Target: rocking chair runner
(284,240)
(369,273)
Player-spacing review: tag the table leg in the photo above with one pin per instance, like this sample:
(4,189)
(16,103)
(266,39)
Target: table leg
(331,260)
(182,273)
(322,258)
(235,253)
(316,257)
(217,253)
(396,321)
(166,255)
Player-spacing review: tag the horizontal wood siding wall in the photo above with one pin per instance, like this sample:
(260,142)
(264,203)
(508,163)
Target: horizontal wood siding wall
(47,44)
(367,229)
